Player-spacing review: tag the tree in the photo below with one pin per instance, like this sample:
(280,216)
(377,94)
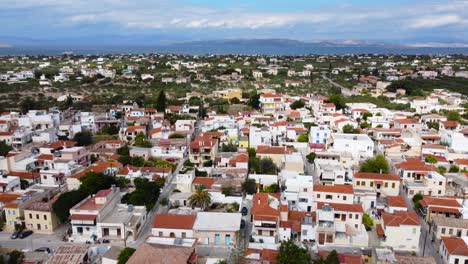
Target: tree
(332,258)
(290,253)
(15,257)
(367,221)
(235,100)
(24,184)
(254,100)
(125,255)
(267,166)
(377,165)
(110,130)
(433,125)
(349,129)
(442,170)
(430,159)
(311,157)
(65,202)
(146,193)
(123,151)
(273,188)
(416,198)
(297,104)
(454,169)
(453,115)
(229,148)
(161,102)
(92,182)
(176,135)
(249,186)
(366,115)
(337,100)
(140,141)
(84,138)
(4,148)
(201,198)
(302,138)
(27,104)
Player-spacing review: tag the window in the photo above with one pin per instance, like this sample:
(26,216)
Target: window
(337,216)
(443,230)
(46,227)
(305,190)
(457,261)
(304,232)
(38,226)
(344,197)
(440,183)
(350,216)
(328,197)
(386,184)
(363,183)
(318,195)
(414,230)
(393,185)
(45,217)
(30,216)
(356,216)
(184,234)
(358,183)
(371,184)
(37,216)
(160,234)
(450,231)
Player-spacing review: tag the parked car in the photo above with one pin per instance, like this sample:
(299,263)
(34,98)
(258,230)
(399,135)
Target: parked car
(244,211)
(25,234)
(15,234)
(242,223)
(43,249)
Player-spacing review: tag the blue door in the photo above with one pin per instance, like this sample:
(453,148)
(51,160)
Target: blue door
(227,240)
(217,239)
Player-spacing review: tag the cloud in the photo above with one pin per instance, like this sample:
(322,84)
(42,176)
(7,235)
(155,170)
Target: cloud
(436,21)
(382,18)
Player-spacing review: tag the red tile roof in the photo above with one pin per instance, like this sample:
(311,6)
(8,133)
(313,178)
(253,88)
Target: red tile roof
(377,176)
(337,188)
(396,201)
(414,164)
(205,181)
(174,221)
(400,218)
(85,217)
(272,150)
(455,246)
(261,205)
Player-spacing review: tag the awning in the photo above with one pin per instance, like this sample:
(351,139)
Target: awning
(444,209)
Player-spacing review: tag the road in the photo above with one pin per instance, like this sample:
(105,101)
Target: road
(345,91)
(431,247)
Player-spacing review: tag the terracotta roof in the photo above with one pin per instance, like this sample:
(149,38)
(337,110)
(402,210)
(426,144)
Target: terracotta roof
(261,205)
(24,174)
(433,146)
(240,157)
(61,144)
(205,181)
(272,150)
(8,197)
(174,221)
(455,246)
(407,121)
(439,201)
(45,157)
(337,188)
(461,161)
(135,128)
(414,164)
(327,105)
(158,254)
(271,95)
(400,218)
(356,208)
(376,176)
(441,209)
(396,201)
(380,230)
(450,124)
(83,217)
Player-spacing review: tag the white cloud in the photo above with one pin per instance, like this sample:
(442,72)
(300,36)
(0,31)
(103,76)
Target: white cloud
(436,21)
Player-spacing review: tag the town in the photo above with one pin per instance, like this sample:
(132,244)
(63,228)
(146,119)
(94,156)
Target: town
(166,158)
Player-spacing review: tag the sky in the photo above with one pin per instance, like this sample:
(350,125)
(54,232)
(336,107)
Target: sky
(395,21)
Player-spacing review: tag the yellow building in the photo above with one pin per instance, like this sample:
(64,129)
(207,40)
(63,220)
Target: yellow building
(13,216)
(243,142)
(39,217)
(228,94)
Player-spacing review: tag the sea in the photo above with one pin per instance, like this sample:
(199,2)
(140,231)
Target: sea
(230,49)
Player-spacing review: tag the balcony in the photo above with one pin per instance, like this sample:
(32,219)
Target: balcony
(326,226)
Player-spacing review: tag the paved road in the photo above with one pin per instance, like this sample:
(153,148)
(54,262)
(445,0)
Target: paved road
(345,91)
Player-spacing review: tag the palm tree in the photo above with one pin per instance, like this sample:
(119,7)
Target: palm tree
(201,197)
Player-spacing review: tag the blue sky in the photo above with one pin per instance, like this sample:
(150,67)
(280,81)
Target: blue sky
(187,20)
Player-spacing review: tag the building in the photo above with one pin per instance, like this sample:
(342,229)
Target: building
(203,148)
(359,145)
(448,227)
(382,184)
(454,250)
(39,217)
(400,230)
(173,225)
(217,229)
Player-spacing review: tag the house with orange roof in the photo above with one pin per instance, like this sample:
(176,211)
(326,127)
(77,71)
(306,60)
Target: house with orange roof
(265,217)
(400,230)
(454,250)
(395,203)
(408,123)
(462,164)
(383,184)
(337,193)
(340,224)
(448,207)
(271,103)
(173,225)
(109,168)
(203,148)
(128,134)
